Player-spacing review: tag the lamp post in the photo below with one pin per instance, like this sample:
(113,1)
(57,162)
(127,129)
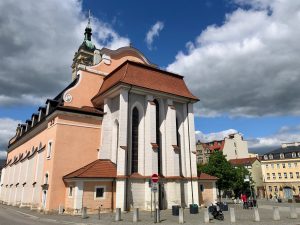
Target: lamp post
(247,179)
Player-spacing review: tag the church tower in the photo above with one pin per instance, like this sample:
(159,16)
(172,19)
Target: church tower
(85,52)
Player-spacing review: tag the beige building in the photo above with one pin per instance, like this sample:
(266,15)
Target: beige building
(233,147)
(281,169)
(253,165)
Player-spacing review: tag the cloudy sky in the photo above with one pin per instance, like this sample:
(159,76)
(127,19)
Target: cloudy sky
(240,57)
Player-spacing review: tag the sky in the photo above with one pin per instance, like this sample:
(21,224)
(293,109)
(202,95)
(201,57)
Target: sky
(240,57)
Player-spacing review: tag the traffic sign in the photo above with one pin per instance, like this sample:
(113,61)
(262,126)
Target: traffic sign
(154,178)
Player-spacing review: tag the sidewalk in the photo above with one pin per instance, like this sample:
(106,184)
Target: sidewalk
(244,217)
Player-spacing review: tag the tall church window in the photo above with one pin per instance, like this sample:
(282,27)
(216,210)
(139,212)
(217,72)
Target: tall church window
(135,140)
(158,136)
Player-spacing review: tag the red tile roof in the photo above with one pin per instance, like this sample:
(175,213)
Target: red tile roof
(205,176)
(243,161)
(101,168)
(148,77)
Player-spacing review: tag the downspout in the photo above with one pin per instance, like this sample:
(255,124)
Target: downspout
(187,109)
(127,152)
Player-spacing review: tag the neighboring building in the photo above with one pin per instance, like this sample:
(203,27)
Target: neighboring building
(253,165)
(2,164)
(281,171)
(202,153)
(99,141)
(233,147)
(253,155)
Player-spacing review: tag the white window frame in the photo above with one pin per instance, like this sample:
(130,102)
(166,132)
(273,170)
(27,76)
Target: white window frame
(72,191)
(95,192)
(49,149)
(291,175)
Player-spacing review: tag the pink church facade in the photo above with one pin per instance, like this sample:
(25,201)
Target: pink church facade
(99,141)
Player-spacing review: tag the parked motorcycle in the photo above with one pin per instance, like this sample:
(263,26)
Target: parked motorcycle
(216,211)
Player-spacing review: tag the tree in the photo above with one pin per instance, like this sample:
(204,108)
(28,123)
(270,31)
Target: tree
(239,185)
(218,166)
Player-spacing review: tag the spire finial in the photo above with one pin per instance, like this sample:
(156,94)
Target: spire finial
(89,20)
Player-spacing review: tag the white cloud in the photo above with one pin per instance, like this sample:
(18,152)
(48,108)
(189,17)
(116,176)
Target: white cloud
(153,32)
(283,135)
(38,40)
(7,131)
(214,136)
(249,65)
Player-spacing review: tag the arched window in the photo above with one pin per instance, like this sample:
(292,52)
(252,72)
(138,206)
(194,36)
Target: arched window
(135,140)
(115,141)
(179,145)
(158,136)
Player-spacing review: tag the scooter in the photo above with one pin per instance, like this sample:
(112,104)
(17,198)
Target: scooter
(216,211)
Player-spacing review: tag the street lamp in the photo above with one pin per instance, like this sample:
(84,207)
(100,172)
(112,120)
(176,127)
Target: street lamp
(247,179)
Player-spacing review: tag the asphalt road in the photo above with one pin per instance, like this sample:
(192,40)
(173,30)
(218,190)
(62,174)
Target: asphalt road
(10,216)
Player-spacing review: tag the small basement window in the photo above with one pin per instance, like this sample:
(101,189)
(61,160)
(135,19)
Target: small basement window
(99,192)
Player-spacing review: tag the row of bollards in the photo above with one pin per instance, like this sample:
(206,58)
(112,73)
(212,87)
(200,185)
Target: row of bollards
(276,214)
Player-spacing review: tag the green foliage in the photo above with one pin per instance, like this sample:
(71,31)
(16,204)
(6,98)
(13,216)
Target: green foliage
(218,166)
(230,178)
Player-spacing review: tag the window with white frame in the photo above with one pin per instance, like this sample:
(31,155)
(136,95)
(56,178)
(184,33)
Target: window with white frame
(281,155)
(201,187)
(272,165)
(278,165)
(291,175)
(270,156)
(268,176)
(275,189)
(267,166)
(99,192)
(294,155)
(265,157)
(274,176)
(279,176)
(289,165)
(283,165)
(297,175)
(70,191)
(295,164)
(285,175)
(49,149)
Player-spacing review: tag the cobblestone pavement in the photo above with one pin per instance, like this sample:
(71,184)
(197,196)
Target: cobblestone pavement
(244,217)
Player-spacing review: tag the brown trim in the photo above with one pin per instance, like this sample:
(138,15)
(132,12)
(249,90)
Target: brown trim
(176,148)
(154,146)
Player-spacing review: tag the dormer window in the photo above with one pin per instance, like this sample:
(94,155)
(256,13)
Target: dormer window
(270,156)
(294,155)
(265,157)
(281,156)
(298,154)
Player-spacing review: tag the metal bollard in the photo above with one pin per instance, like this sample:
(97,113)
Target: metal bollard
(135,214)
(181,216)
(256,215)
(60,209)
(84,213)
(118,214)
(206,216)
(156,216)
(293,212)
(276,215)
(232,215)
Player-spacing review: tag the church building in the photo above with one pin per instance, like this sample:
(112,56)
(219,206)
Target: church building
(98,142)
